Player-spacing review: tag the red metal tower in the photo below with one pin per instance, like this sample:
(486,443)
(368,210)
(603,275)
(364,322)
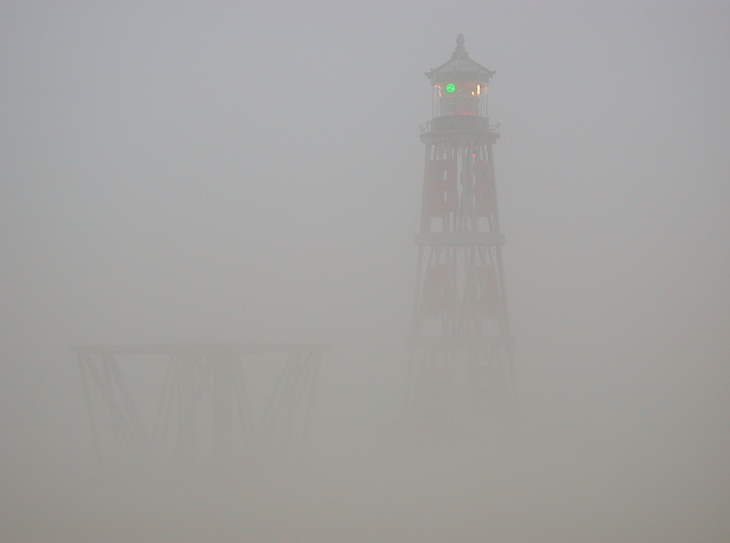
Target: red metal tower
(461,357)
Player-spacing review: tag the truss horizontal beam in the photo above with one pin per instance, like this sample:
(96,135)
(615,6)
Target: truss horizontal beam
(461,136)
(442,239)
(463,341)
(196,348)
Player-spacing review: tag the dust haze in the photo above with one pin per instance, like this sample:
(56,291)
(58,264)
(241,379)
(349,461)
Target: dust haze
(190,172)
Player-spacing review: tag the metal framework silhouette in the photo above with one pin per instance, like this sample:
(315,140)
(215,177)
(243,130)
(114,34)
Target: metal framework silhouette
(461,351)
(222,407)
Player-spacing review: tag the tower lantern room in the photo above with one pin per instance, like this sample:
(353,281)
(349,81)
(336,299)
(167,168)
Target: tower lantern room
(459,92)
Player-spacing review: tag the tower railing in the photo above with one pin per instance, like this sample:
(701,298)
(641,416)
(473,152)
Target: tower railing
(460,123)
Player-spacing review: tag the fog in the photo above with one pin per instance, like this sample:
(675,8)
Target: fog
(195,172)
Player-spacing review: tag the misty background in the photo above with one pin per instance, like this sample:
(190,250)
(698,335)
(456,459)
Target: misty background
(231,172)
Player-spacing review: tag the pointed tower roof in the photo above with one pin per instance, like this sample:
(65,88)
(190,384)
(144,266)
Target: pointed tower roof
(460,67)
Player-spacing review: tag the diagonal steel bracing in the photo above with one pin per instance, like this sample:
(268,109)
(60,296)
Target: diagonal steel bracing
(226,407)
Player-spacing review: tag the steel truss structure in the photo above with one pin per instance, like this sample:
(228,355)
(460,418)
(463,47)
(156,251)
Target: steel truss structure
(461,355)
(225,408)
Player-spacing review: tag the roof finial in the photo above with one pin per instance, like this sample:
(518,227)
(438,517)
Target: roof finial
(460,50)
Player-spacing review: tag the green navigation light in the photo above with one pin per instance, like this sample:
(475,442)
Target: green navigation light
(450,87)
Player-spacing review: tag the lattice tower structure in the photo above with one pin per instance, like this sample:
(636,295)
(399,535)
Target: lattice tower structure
(461,355)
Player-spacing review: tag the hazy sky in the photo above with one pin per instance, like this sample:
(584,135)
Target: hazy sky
(181,168)
(190,171)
